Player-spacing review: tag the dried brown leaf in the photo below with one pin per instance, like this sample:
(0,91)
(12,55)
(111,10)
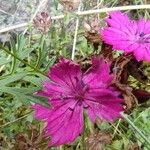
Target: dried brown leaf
(106,51)
(70,4)
(141,95)
(134,147)
(133,67)
(31,140)
(130,100)
(97,140)
(92,32)
(120,70)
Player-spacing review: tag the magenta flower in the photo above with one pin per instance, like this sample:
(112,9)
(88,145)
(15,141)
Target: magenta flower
(70,92)
(128,35)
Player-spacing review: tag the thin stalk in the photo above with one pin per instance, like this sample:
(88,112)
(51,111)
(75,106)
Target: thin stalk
(75,35)
(116,128)
(42,39)
(132,7)
(24,62)
(61,148)
(81,13)
(83,140)
(135,128)
(9,123)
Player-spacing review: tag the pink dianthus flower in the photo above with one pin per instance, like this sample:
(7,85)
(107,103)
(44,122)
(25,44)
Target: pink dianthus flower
(131,36)
(70,92)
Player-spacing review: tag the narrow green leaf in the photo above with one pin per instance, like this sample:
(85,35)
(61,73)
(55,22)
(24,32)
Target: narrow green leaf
(4,61)
(12,78)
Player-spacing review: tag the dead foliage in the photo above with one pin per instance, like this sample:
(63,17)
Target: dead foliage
(97,140)
(106,51)
(134,147)
(122,67)
(70,5)
(142,95)
(31,140)
(92,33)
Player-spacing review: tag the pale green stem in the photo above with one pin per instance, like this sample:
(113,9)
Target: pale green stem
(11,122)
(116,128)
(135,128)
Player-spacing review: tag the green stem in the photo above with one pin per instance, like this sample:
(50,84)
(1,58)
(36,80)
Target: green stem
(135,128)
(40,49)
(61,148)
(24,62)
(26,115)
(83,140)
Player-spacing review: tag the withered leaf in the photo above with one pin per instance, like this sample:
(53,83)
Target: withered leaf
(119,68)
(94,39)
(31,140)
(97,140)
(92,33)
(133,67)
(130,100)
(106,51)
(134,147)
(141,95)
(70,4)
(123,66)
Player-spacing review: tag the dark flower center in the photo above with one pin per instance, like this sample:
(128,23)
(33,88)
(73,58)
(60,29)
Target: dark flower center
(79,95)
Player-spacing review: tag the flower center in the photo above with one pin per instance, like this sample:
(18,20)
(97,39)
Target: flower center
(79,96)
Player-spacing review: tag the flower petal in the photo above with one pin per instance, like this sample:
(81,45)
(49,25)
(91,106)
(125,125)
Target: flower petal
(64,121)
(98,75)
(117,19)
(65,77)
(66,74)
(65,128)
(41,112)
(103,103)
(131,36)
(107,112)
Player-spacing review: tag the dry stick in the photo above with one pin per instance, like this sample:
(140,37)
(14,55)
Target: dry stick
(13,27)
(26,24)
(88,12)
(75,35)
(98,5)
(5,12)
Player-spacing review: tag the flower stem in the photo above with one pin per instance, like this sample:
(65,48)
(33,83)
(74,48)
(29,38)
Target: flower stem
(18,119)
(42,39)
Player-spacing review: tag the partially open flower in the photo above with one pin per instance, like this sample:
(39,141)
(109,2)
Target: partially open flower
(71,92)
(42,22)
